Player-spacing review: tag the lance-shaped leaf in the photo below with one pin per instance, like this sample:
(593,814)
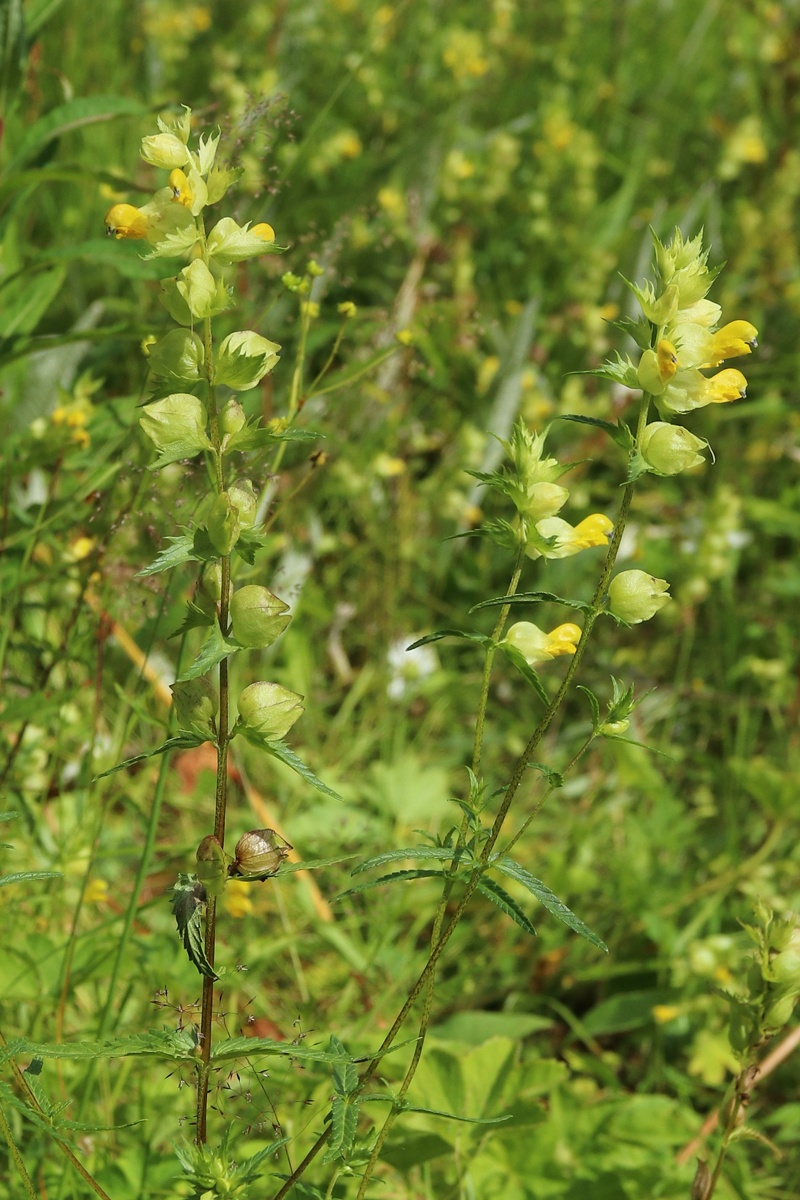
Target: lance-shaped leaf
(505,903)
(547,898)
(181,741)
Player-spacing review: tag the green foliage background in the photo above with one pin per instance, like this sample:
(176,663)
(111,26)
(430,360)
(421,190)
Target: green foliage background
(479,173)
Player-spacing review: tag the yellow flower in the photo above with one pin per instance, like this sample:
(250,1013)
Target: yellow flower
(96,892)
(180,187)
(664,1013)
(125,221)
(536,646)
(264,231)
(591,531)
(236,898)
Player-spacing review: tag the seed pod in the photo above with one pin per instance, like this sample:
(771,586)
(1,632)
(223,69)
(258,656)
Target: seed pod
(701,1184)
(212,866)
(259,853)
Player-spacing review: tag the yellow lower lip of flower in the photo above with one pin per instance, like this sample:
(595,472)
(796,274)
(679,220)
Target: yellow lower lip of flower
(264,231)
(180,187)
(733,340)
(727,386)
(564,639)
(593,531)
(667,359)
(125,221)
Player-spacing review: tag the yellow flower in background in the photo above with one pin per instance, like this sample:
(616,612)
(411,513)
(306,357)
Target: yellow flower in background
(464,54)
(236,898)
(96,892)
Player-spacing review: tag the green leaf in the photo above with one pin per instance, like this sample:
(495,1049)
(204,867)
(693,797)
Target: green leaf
(282,752)
(481,638)
(594,704)
(345,1075)
(249,544)
(10,815)
(254,437)
(70,116)
(440,853)
(21,876)
(524,668)
(214,649)
(175,452)
(505,903)
(393,877)
(181,741)
(437,1112)
(174,1046)
(313,864)
(181,551)
(351,374)
(195,617)
(618,431)
(533,598)
(247,1047)
(188,902)
(554,778)
(547,899)
(344,1123)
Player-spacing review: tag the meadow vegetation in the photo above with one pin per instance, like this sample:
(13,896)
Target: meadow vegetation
(450,198)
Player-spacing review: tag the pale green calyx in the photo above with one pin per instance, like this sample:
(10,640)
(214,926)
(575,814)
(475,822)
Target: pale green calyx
(635,596)
(258,617)
(223,524)
(668,449)
(268,709)
(178,421)
(259,853)
(245,501)
(204,295)
(230,243)
(245,358)
(232,418)
(212,866)
(195,706)
(179,356)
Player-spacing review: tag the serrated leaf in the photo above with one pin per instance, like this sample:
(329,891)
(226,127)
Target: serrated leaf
(480,638)
(214,649)
(438,1112)
(533,598)
(547,899)
(195,617)
(525,669)
(618,431)
(313,864)
(621,370)
(440,853)
(254,437)
(282,752)
(345,1075)
(175,452)
(640,330)
(249,544)
(554,778)
(594,704)
(344,1123)
(505,903)
(21,876)
(181,741)
(180,551)
(188,901)
(392,877)
(246,1047)
(173,1045)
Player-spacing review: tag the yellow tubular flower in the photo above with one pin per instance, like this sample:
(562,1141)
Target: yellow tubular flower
(726,386)
(667,359)
(734,339)
(180,187)
(536,646)
(125,221)
(593,531)
(564,639)
(263,230)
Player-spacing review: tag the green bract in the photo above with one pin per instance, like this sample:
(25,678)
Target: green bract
(245,358)
(269,709)
(195,706)
(230,243)
(258,617)
(178,420)
(223,524)
(178,357)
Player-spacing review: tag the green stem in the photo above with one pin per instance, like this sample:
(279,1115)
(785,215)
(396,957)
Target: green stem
(518,775)
(15,1155)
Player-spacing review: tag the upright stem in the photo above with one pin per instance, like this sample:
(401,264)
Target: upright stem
(223,738)
(428,971)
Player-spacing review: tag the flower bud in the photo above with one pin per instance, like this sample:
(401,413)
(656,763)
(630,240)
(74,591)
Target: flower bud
(779,1012)
(260,852)
(178,420)
(204,295)
(212,866)
(232,418)
(245,358)
(164,150)
(258,617)
(211,581)
(195,706)
(668,449)
(223,524)
(269,709)
(635,596)
(245,501)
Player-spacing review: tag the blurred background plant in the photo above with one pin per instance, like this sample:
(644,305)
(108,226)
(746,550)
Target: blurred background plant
(465,172)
